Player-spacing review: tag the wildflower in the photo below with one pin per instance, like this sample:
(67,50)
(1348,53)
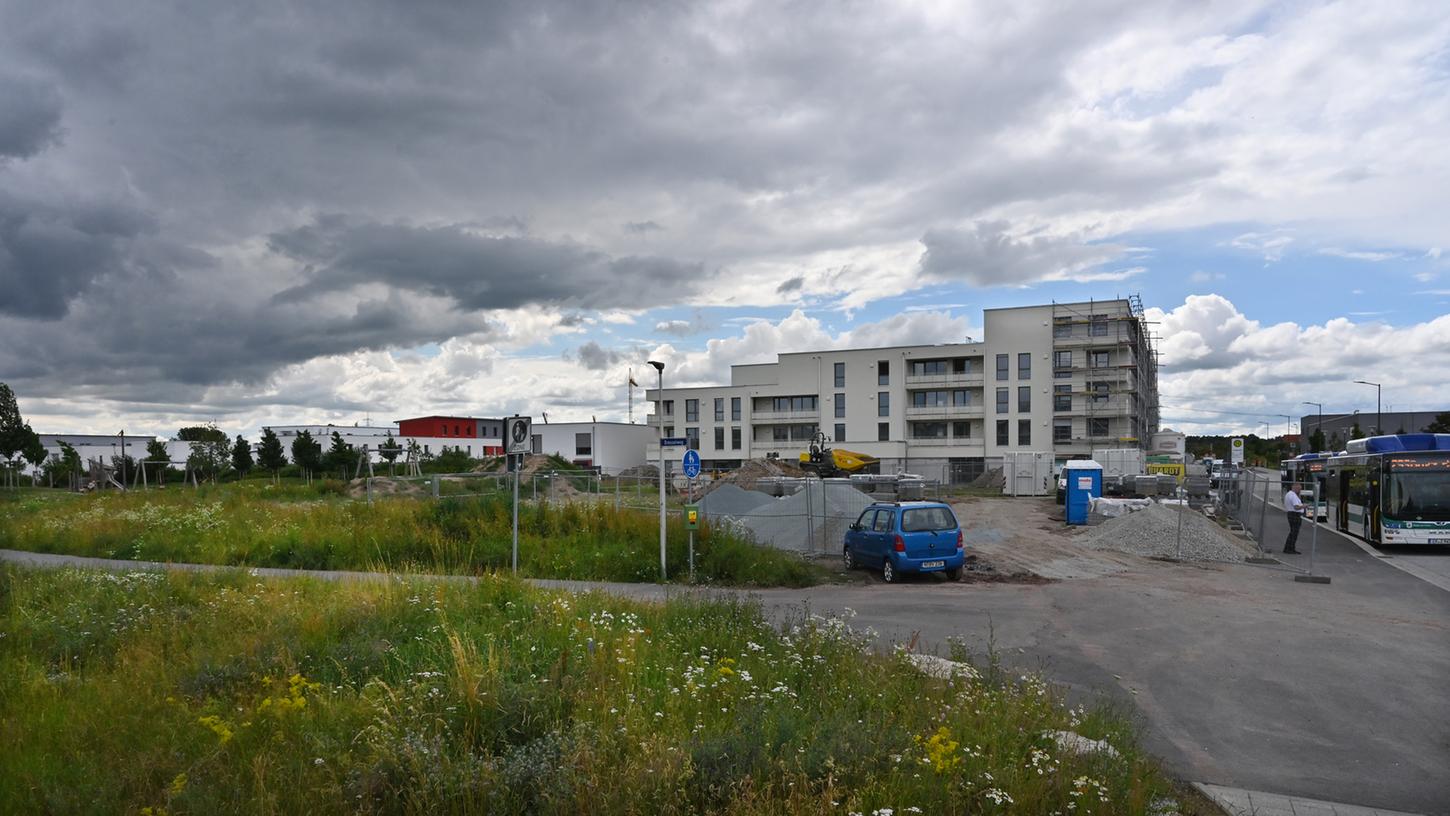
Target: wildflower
(178,784)
(998,796)
(319,762)
(217,726)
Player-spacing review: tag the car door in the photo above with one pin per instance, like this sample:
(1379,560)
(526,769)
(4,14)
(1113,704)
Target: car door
(859,539)
(882,533)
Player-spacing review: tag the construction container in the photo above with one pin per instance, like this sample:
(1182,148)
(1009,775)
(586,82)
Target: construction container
(1027,474)
(1145,485)
(1120,461)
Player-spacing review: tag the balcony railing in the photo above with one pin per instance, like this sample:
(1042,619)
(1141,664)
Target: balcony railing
(785,416)
(967,379)
(945,412)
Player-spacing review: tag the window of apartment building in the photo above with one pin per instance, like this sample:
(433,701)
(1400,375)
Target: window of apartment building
(1024,399)
(719,439)
(1061,327)
(840,432)
(1062,361)
(921,368)
(669,407)
(1097,427)
(1024,432)
(840,406)
(692,438)
(1062,430)
(928,399)
(1100,392)
(961,430)
(1099,359)
(1003,400)
(1002,432)
(1098,326)
(883,431)
(1062,398)
(734,409)
(734,439)
(883,372)
(928,430)
(1024,366)
(960,398)
(800,404)
(840,371)
(669,431)
(692,410)
(961,365)
(883,403)
(1002,367)
(793,433)
(583,444)
(719,409)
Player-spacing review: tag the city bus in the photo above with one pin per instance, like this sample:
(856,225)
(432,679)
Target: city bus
(1308,470)
(1392,489)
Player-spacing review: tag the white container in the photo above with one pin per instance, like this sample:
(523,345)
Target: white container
(1120,461)
(1027,473)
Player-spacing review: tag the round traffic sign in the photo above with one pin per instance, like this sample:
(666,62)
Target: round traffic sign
(692,464)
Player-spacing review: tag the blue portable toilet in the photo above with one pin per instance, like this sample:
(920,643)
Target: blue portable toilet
(1084,481)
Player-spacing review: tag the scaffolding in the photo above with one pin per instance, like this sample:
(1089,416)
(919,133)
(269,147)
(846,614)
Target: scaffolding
(1119,327)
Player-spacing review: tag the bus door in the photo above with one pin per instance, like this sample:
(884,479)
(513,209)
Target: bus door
(1372,505)
(1341,505)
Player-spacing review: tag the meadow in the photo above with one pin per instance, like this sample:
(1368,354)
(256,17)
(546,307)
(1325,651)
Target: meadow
(176,693)
(318,526)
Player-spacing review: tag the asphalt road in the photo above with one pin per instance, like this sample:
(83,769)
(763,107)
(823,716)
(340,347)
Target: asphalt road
(1242,676)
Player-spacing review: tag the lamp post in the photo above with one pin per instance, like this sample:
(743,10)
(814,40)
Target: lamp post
(1378,427)
(1319,422)
(660,409)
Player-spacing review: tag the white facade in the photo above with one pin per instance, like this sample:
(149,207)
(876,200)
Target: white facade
(1058,378)
(609,446)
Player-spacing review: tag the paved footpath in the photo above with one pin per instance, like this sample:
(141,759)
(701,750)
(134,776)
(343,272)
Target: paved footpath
(1243,678)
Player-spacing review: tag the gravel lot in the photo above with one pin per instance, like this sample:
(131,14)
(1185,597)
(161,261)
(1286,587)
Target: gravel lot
(1153,532)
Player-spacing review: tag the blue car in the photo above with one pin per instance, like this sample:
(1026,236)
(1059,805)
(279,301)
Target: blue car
(905,537)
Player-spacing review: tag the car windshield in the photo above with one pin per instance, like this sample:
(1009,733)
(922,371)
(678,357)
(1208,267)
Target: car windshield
(922,519)
(1418,495)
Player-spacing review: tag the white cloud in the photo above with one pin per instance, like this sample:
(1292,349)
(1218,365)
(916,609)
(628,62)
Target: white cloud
(1271,244)
(1360,255)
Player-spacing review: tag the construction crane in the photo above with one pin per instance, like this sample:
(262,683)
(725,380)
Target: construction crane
(828,462)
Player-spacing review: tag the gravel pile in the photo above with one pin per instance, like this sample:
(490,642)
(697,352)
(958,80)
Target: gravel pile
(1153,531)
(783,523)
(731,500)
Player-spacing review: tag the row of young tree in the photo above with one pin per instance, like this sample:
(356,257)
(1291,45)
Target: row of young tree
(18,443)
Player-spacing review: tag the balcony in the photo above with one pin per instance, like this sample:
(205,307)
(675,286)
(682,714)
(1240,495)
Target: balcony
(945,412)
(970,379)
(783,417)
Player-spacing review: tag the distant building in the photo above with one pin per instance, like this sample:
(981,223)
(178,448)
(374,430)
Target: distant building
(473,435)
(608,446)
(1340,425)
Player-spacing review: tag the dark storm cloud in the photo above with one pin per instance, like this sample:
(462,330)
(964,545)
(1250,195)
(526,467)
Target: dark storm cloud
(477,271)
(790,285)
(987,254)
(596,357)
(29,117)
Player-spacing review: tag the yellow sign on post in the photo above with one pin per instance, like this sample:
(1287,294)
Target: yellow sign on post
(692,516)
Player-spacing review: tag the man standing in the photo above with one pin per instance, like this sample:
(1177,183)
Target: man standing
(1295,510)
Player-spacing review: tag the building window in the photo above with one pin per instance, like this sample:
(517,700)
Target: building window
(1024,366)
(734,439)
(719,439)
(669,431)
(1100,392)
(536,443)
(455,431)
(840,406)
(801,404)
(840,369)
(1003,400)
(1099,359)
(840,432)
(1061,430)
(1001,367)
(883,431)
(669,407)
(1097,427)
(928,430)
(960,398)
(583,444)
(932,399)
(1098,326)
(735,409)
(692,438)
(883,372)
(1061,327)
(883,403)
(1024,399)
(692,410)
(1062,362)
(719,409)
(1062,398)
(1024,432)
(445,430)
(961,366)
(961,430)
(1002,433)
(928,368)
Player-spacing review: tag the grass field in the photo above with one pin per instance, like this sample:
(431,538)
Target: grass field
(171,693)
(314,527)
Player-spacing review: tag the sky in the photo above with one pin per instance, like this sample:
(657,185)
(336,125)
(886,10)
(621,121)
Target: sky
(287,212)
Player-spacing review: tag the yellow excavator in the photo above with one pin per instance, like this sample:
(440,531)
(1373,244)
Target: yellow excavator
(828,462)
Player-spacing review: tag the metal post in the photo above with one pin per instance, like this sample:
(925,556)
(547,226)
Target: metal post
(1263,512)
(517,470)
(1182,500)
(692,535)
(660,369)
(368,481)
(437,484)
(1311,578)
(810,519)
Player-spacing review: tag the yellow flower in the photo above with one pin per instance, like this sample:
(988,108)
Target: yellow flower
(217,726)
(941,750)
(178,784)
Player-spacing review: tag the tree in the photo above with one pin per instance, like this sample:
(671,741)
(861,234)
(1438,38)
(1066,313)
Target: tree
(12,429)
(67,465)
(33,451)
(306,453)
(1355,432)
(340,456)
(242,455)
(1316,440)
(269,452)
(202,433)
(156,452)
(209,457)
(1440,425)
(390,450)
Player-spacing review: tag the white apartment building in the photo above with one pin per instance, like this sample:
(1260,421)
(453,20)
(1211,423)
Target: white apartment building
(1064,377)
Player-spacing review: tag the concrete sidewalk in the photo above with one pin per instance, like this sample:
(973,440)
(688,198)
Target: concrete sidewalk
(1240,802)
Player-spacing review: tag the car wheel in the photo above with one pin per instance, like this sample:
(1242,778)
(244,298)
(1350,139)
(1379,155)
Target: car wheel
(888,571)
(954,574)
(848,558)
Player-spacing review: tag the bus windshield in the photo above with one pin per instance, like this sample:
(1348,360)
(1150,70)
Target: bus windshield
(1422,494)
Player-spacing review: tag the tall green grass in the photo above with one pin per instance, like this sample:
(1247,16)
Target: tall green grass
(225,693)
(294,526)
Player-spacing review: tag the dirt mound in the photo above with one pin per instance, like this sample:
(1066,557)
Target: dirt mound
(383,486)
(751,471)
(989,478)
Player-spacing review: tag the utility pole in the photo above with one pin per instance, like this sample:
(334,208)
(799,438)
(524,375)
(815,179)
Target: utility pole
(660,409)
(1319,422)
(1379,428)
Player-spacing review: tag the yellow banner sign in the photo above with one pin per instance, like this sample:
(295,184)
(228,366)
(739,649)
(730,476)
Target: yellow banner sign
(1175,469)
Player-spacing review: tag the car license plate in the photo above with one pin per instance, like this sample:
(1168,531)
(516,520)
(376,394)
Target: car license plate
(931,564)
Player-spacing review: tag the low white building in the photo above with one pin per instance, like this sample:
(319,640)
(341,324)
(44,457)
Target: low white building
(608,446)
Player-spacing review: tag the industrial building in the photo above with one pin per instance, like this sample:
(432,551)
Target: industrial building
(1065,378)
(1340,427)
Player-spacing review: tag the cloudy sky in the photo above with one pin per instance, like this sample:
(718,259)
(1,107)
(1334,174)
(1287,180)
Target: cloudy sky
(302,212)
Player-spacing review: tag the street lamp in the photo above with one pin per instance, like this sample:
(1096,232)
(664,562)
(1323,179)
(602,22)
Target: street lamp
(1318,423)
(1378,427)
(660,409)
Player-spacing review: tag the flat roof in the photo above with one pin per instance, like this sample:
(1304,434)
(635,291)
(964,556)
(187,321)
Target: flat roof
(449,416)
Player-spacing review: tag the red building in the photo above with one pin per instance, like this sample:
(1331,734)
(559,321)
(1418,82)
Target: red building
(464,429)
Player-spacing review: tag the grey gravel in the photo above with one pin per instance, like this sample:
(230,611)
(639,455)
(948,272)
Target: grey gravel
(1153,531)
(783,523)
